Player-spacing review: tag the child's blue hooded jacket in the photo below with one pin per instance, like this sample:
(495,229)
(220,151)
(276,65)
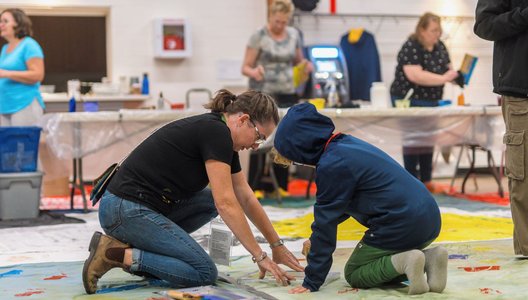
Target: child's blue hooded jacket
(354,179)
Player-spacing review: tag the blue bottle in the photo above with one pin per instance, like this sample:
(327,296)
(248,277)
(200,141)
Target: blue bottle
(145,84)
(71,104)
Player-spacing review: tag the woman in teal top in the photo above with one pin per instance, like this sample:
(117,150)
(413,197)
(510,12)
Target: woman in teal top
(21,71)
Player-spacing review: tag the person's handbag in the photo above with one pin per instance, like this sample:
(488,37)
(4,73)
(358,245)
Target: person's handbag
(101,182)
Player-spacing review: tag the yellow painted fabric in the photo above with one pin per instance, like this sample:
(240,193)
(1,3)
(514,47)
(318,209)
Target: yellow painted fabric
(299,74)
(454,228)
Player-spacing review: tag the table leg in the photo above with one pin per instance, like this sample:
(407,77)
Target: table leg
(78,182)
(456,168)
(493,171)
(471,167)
(73,183)
(273,177)
(491,168)
(309,186)
(81,185)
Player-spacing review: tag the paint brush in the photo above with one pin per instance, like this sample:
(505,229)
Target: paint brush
(468,64)
(408,95)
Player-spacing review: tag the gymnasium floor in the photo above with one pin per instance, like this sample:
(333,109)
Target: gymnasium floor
(45,262)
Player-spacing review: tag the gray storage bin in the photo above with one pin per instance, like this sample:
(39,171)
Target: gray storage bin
(20,195)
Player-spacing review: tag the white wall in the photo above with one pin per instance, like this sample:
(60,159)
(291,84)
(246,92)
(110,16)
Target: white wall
(220,30)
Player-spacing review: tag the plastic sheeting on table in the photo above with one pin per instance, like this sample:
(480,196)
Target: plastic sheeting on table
(390,129)
(78,134)
(111,135)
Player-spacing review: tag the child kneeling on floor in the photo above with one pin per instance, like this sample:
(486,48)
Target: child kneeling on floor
(356,179)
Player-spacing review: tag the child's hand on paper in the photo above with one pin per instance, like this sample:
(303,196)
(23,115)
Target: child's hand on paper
(299,290)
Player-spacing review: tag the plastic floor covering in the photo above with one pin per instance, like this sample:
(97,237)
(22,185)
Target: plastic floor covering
(45,262)
(476,269)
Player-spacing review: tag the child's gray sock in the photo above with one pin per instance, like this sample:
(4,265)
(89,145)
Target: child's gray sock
(411,263)
(436,268)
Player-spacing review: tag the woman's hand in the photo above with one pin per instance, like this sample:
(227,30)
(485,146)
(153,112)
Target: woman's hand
(308,68)
(282,255)
(450,75)
(299,290)
(267,265)
(258,73)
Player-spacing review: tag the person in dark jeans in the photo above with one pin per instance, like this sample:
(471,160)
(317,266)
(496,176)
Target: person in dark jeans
(177,180)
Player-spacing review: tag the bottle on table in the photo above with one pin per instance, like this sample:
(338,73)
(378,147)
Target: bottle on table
(72,105)
(145,84)
(379,95)
(461,101)
(333,96)
(161,102)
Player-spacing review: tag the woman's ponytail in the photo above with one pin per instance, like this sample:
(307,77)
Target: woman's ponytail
(222,99)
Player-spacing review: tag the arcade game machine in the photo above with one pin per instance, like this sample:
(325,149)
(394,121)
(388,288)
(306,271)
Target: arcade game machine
(329,76)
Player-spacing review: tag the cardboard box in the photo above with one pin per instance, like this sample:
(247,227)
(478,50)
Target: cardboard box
(59,186)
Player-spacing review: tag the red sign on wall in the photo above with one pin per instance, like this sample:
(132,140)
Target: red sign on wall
(173,42)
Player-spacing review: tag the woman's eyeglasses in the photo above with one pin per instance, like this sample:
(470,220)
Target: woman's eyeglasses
(260,138)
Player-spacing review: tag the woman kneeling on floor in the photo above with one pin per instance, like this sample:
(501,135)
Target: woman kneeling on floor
(159,196)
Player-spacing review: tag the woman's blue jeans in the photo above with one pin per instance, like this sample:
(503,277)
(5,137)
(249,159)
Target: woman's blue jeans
(162,246)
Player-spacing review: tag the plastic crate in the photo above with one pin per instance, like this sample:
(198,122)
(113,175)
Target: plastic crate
(19,149)
(20,195)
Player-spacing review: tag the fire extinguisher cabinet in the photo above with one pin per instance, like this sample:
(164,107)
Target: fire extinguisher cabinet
(172,38)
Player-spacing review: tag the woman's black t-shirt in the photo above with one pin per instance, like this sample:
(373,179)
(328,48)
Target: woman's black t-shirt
(435,61)
(169,166)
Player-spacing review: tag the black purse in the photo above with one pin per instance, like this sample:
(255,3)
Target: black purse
(101,182)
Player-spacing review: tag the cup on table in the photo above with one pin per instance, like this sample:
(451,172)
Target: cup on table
(402,103)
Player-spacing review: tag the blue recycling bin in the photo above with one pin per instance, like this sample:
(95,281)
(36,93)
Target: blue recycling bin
(19,149)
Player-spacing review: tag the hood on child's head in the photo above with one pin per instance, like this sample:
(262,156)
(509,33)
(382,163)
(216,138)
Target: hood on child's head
(302,134)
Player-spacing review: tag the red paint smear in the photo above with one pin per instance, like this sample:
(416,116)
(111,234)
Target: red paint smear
(482,268)
(29,293)
(56,277)
(489,291)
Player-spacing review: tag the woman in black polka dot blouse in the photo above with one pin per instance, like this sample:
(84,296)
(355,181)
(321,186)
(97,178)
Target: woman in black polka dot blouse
(424,66)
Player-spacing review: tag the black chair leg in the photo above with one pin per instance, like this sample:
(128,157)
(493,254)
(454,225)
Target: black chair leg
(310,181)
